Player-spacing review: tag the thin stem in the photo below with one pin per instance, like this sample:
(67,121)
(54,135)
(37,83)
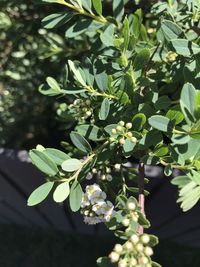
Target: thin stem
(85,13)
(176,166)
(141,192)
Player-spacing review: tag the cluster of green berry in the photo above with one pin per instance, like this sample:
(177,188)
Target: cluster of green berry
(81,109)
(135,252)
(123,132)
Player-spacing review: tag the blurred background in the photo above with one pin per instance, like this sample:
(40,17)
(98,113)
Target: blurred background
(49,235)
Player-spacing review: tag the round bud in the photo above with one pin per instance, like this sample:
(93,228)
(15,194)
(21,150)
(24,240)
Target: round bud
(88,113)
(119,128)
(134,239)
(144,260)
(133,139)
(122,263)
(139,247)
(94,170)
(148,251)
(103,177)
(121,123)
(145,239)
(134,217)
(129,134)
(133,262)
(117,166)
(114,131)
(118,248)
(109,178)
(122,141)
(131,205)
(129,125)
(128,245)
(87,102)
(108,170)
(114,256)
(126,222)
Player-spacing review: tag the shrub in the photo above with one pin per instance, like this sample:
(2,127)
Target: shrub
(133,98)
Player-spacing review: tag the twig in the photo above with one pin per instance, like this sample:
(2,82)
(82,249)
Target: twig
(141,192)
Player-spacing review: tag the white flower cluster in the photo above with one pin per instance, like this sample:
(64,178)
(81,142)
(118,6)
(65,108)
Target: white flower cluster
(138,249)
(94,206)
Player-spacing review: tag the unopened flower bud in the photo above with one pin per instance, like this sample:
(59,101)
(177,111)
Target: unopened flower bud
(129,134)
(126,222)
(131,205)
(87,102)
(118,248)
(119,128)
(145,239)
(148,251)
(133,139)
(128,245)
(144,260)
(114,131)
(114,257)
(134,239)
(109,178)
(122,141)
(139,247)
(103,177)
(94,170)
(88,113)
(133,262)
(122,263)
(121,123)
(117,166)
(129,125)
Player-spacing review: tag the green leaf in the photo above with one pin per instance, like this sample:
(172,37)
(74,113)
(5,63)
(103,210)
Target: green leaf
(107,36)
(97,6)
(141,59)
(138,121)
(180,181)
(43,162)
(56,155)
(184,47)
(118,9)
(161,150)
(126,33)
(75,197)
(49,92)
(91,132)
(128,147)
(174,114)
(56,20)
(80,142)
(100,75)
(76,73)
(160,123)
(62,192)
(87,4)
(187,101)
(162,103)
(170,30)
(79,27)
(104,110)
(53,84)
(71,165)
(39,194)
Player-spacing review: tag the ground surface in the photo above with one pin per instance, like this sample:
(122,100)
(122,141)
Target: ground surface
(32,247)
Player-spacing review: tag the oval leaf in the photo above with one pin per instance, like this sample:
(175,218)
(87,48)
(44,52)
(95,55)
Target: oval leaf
(40,194)
(71,165)
(75,197)
(104,110)
(61,192)
(80,142)
(43,162)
